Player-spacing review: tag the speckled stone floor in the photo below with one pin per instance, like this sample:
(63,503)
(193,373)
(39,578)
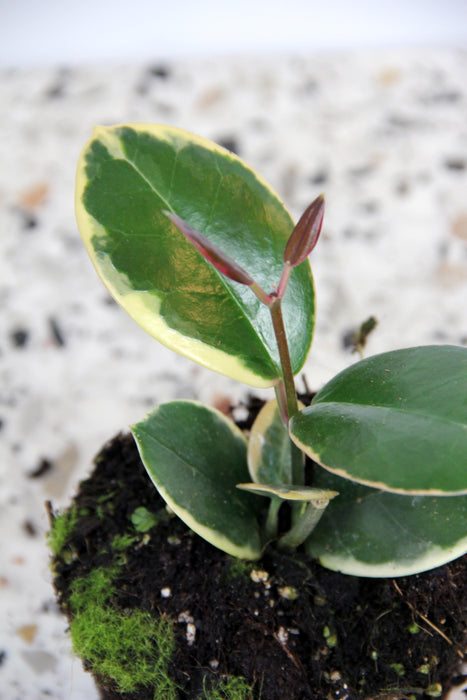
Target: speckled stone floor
(383,134)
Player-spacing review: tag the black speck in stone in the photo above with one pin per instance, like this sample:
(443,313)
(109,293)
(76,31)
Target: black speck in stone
(454,163)
(2,656)
(259,124)
(402,188)
(30,221)
(159,71)
(29,528)
(1,423)
(320,177)
(55,92)
(443,250)
(447,96)
(156,72)
(56,331)
(58,88)
(400,122)
(19,337)
(361,171)
(230,143)
(370,207)
(44,466)
(309,86)
(348,339)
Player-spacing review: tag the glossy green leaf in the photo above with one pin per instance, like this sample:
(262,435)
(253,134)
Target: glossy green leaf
(127,177)
(369,532)
(195,456)
(396,421)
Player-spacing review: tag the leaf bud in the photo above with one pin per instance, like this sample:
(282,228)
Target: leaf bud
(305,234)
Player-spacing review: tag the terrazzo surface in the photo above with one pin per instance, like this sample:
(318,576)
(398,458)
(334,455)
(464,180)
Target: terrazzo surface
(383,134)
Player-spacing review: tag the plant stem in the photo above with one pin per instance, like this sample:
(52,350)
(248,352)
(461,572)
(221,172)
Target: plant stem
(287,374)
(286,394)
(282,401)
(284,280)
(303,527)
(270,527)
(285,391)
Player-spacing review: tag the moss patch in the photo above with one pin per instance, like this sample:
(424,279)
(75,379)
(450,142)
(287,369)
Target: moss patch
(131,648)
(62,527)
(120,543)
(240,568)
(230,689)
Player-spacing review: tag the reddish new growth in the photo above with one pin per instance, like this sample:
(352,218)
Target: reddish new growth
(305,235)
(211,252)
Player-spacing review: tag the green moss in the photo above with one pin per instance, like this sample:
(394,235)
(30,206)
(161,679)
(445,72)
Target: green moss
(128,648)
(62,527)
(240,568)
(143,520)
(398,668)
(120,546)
(131,648)
(122,542)
(234,688)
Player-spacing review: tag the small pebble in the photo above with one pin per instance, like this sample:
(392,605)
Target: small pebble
(259,576)
(173,539)
(190,633)
(185,617)
(288,592)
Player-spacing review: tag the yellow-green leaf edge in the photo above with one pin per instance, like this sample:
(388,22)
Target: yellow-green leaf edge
(432,558)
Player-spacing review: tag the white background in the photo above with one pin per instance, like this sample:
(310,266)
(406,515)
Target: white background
(48,32)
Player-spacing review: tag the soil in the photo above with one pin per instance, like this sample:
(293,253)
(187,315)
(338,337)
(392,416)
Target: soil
(342,637)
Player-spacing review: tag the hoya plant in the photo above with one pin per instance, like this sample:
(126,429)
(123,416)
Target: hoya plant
(202,253)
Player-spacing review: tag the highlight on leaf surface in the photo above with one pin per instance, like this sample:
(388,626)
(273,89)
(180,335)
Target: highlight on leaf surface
(127,176)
